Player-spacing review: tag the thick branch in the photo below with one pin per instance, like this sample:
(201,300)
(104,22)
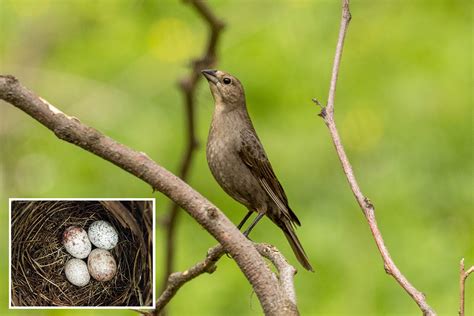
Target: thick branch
(463,274)
(327,113)
(188,87)
(70,129)
(176,280)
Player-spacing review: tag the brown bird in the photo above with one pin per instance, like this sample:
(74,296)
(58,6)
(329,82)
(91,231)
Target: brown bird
(240,165)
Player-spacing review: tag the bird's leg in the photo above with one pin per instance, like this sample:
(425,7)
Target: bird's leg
(255,221)
(242,222)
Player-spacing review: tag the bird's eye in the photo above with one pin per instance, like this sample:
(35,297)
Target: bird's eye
(227,80)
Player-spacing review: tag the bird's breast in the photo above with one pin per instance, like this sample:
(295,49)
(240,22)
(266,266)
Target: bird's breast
(222,153)
(222,156)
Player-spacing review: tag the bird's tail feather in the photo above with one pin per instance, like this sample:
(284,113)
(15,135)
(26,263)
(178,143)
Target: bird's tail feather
(296,246)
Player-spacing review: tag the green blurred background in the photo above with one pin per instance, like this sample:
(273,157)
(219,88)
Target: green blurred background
(403,108)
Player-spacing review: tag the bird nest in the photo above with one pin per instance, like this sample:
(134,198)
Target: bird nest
(38,257)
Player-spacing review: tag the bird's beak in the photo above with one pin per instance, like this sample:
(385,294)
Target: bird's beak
(210,75)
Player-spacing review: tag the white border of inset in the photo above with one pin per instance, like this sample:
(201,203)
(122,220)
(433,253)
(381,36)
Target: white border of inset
(10,200)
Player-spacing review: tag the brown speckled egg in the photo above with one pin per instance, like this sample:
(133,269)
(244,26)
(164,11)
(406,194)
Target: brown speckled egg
(101,264)
(76,242)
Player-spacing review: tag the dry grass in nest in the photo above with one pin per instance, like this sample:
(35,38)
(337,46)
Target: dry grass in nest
(38,256)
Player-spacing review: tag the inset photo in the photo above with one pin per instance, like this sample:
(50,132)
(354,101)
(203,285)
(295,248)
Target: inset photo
(82,253)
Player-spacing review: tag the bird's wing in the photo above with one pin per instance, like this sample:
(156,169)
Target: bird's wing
(253,155)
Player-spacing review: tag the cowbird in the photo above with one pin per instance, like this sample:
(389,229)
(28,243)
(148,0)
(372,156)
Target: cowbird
(240,165)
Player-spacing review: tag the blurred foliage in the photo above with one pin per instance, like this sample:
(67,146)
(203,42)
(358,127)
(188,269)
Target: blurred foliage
(403,108)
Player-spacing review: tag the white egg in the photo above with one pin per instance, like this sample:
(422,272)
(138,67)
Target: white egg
(103,235)
(76,242)
(101,264)
(76,272)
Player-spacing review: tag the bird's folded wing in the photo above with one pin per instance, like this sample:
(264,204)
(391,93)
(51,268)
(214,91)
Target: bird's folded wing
(253,155)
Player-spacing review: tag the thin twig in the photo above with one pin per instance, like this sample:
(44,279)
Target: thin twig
(327,113)
(178,279)
(188,87)
(272,299)
(286,273)
(462,282)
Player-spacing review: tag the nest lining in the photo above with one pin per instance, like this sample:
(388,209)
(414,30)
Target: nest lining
(38,256)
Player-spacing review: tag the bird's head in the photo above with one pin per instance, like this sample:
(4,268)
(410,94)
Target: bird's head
(225,88)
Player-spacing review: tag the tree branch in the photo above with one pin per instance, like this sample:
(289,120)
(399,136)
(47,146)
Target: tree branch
(272,299)
(286,272)
(462,282)
(327,113)
(176,280)
(188,88)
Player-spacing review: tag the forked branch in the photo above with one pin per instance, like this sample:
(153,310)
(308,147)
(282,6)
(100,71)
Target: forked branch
(285,278)
(327,113)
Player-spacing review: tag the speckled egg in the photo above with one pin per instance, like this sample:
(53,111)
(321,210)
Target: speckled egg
(103,235)
(76,242)
(101,264)
(76,272)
